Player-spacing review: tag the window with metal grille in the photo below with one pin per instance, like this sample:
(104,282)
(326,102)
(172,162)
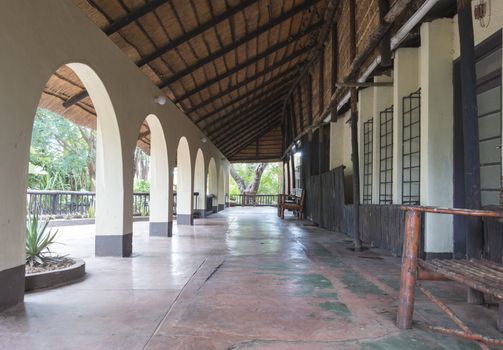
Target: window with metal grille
(367,161)
(386,156)
(411,136)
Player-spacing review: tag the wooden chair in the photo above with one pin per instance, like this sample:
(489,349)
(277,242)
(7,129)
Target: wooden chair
(294,202)
(479,274)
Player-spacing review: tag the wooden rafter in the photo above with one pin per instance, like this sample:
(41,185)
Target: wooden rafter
(236,43)
(247,63)
(252,95)
(133,16)
(253,135)
(199,30)
(258,104)
(286,75)
(242,122)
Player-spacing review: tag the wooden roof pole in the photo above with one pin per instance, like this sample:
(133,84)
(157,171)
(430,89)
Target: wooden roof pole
(330,15)
(474,237)
(354,134)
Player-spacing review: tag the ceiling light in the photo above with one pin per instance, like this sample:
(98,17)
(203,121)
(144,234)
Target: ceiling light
(160,100)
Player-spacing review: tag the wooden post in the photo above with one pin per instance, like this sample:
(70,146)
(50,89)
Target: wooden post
(289,185)
(354,133)
(335,66)
(356,170)
(321,141)
(408,273)
(474,237)
(385,44)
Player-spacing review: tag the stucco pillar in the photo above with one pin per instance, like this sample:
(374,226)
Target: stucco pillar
(435,81)
(200,185)
(114,172)
(221,189)
(159,223)
(185,185)
(383,98)
(405,81)
(365,110)
(227,186)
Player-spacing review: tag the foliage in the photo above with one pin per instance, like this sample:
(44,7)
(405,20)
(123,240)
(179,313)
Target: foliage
(269,183)
(141,185)
(38,240)
(91,211)
(59,154)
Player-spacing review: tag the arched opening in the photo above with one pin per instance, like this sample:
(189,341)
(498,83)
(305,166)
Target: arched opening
(212,185)
(184,184)
(151,189)
(200,185)
(75,172)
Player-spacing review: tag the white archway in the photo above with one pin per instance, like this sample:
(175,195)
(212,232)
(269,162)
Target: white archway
(113,219)
(200,184)
(159,220)
(185,186)
(221,189)
(212,183)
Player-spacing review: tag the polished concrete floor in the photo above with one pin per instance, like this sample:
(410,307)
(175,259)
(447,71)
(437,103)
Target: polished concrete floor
(242,279)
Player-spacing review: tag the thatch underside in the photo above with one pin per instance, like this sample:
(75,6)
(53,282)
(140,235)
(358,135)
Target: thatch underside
(240,68)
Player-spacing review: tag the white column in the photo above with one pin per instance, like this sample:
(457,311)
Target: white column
(365,112)
(405,81)
(200,183)
(383,98)
(185,185)
(437,131)
(159,223)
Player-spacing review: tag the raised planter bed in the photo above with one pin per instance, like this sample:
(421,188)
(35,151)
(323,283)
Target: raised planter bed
(55,278)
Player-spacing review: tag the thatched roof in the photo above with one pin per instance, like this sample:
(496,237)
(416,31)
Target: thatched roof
(237,68)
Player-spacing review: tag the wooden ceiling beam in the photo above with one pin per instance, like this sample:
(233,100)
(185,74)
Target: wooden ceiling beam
(245,64)
(75,99)
(223,132)
(290,72)
(225,139)
(271,24)
(256,105)
(252,136)
(230,134)
(199,30)
(133,16)
(256,97)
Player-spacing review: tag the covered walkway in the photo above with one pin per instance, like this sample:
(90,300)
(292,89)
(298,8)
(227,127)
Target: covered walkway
(240,279)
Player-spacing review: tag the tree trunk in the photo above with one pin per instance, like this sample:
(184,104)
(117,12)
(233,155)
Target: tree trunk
(254,185)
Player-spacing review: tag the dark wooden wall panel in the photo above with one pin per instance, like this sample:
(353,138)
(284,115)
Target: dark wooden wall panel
(380,225)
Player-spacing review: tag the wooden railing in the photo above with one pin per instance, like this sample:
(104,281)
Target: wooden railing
(255,200)
(76,204)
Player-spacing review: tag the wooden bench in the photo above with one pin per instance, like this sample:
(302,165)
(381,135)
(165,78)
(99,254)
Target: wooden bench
(294,202)
(479,274)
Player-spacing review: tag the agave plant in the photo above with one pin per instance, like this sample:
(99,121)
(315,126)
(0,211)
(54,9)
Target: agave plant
(38,240)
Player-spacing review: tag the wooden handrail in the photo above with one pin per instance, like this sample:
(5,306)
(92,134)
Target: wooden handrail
(453,211)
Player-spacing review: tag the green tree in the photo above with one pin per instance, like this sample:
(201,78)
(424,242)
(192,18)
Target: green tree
(62,155)
(262,178)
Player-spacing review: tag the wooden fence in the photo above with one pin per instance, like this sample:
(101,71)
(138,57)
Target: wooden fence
(255,200)
(380,225)
(73,204)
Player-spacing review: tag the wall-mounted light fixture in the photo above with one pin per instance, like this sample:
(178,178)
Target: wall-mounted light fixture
(204,139)
(160,100)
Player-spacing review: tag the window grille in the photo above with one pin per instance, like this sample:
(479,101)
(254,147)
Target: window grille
(386,156)
(367,160)
(411,145)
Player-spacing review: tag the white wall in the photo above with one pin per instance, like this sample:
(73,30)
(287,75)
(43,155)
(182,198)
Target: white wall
(38,37)
(340,143)
(435,79)
(405,81)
